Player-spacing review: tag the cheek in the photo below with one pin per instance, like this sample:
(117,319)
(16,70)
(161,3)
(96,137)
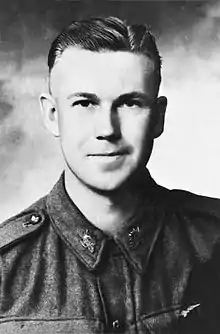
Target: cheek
(136,128)
(75,129)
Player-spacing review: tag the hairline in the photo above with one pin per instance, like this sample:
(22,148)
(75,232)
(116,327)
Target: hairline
(103,51)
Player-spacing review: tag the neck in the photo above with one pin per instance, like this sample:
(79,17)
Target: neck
(108,211)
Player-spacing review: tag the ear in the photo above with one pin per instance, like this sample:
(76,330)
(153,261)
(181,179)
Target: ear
(49,113)
(159,111)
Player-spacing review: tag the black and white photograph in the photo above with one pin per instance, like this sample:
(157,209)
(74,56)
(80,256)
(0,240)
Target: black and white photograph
(109,167)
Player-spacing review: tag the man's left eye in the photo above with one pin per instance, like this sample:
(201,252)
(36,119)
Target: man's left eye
(132,103)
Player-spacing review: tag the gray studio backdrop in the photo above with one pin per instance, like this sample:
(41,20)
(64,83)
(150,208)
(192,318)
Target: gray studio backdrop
(188,33)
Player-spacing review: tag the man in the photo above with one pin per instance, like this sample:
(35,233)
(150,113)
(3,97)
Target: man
(108,250)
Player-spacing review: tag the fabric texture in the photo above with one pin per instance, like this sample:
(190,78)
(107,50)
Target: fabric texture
(161,274)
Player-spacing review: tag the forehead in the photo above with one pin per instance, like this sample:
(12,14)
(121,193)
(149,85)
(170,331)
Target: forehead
(106,74)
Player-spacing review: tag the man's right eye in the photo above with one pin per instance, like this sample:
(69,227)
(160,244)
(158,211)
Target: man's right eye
(83,103)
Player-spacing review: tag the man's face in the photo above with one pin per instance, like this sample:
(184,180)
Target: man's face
(104,114)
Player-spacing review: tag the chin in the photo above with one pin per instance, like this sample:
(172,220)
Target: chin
(109,184)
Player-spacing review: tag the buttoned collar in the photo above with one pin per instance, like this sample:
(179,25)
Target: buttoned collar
(136,240)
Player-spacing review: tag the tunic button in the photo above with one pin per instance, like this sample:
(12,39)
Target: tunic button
(34,219)
(116,325)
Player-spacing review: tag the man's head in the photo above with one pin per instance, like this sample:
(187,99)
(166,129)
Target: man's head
(107,34)
(104,77)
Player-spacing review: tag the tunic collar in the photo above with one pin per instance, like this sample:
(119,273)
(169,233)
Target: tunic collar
(88,242)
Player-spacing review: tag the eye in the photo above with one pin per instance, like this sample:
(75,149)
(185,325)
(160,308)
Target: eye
(132,103)
(83,103)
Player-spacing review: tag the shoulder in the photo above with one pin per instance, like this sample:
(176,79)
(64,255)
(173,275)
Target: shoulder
(196,220)
(193,203)
(177,200)
(22,225)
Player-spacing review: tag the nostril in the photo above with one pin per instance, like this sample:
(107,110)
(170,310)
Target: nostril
(108,127)
(110,137)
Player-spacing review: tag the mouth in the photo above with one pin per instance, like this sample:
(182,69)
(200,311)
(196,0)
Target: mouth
(109,161)
(109,154)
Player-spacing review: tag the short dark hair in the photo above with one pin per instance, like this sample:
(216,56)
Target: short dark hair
(110,33)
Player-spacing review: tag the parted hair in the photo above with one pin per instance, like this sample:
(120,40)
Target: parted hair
(103,34)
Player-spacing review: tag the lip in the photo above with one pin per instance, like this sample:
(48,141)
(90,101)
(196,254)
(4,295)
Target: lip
(109,161)
(108,154)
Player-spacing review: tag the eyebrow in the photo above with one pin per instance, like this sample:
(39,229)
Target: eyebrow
(85,95)
(133,95)
(119,100)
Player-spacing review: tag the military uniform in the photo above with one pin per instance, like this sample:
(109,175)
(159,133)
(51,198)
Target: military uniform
(61,274)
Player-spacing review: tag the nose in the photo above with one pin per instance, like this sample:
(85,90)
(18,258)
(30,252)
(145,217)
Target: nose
(108,124)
